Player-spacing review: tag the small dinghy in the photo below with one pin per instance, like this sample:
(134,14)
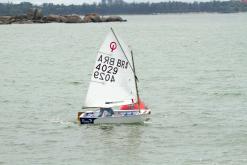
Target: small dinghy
(113,84)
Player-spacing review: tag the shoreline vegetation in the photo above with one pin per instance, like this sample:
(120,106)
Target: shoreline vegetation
(119,7)
(26,12)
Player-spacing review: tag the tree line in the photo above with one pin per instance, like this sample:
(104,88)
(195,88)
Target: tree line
(232,6)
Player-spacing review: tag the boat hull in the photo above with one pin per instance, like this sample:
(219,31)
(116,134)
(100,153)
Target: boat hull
(120,117)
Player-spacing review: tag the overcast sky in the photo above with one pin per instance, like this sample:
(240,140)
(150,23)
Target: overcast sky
(87,1)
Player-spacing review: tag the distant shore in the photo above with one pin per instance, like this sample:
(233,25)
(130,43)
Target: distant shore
(120,7)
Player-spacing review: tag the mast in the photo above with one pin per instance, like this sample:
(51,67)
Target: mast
(135,77)
(121,47)
(132,68)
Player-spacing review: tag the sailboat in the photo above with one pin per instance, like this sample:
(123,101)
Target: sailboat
(113,84)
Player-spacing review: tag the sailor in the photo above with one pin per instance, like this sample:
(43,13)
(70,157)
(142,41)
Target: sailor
(134,106)
(108,110)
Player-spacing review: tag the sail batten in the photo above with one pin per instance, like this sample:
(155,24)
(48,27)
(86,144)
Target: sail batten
(112,82)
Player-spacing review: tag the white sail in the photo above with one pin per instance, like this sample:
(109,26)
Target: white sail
(112,82)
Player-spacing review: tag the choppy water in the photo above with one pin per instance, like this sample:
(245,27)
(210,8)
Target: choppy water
(193,74)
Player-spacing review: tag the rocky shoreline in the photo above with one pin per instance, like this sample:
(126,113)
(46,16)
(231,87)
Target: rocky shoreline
(36,16)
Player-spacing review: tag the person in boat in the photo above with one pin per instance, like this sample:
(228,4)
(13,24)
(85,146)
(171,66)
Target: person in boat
(133,106)
(109,111)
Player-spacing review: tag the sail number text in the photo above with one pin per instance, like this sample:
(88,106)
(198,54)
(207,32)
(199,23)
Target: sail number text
(105,72)
(107,67)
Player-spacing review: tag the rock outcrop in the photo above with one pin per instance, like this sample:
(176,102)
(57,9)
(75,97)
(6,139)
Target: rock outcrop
(6,19)
(73,19)
(64,19)
(114,19)
(92,17)
(36,16)
(54,18)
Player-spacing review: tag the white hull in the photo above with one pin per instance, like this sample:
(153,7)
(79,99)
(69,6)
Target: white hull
(122,119)
(118,118)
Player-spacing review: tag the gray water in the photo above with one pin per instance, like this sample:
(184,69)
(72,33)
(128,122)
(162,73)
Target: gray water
(193,75)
